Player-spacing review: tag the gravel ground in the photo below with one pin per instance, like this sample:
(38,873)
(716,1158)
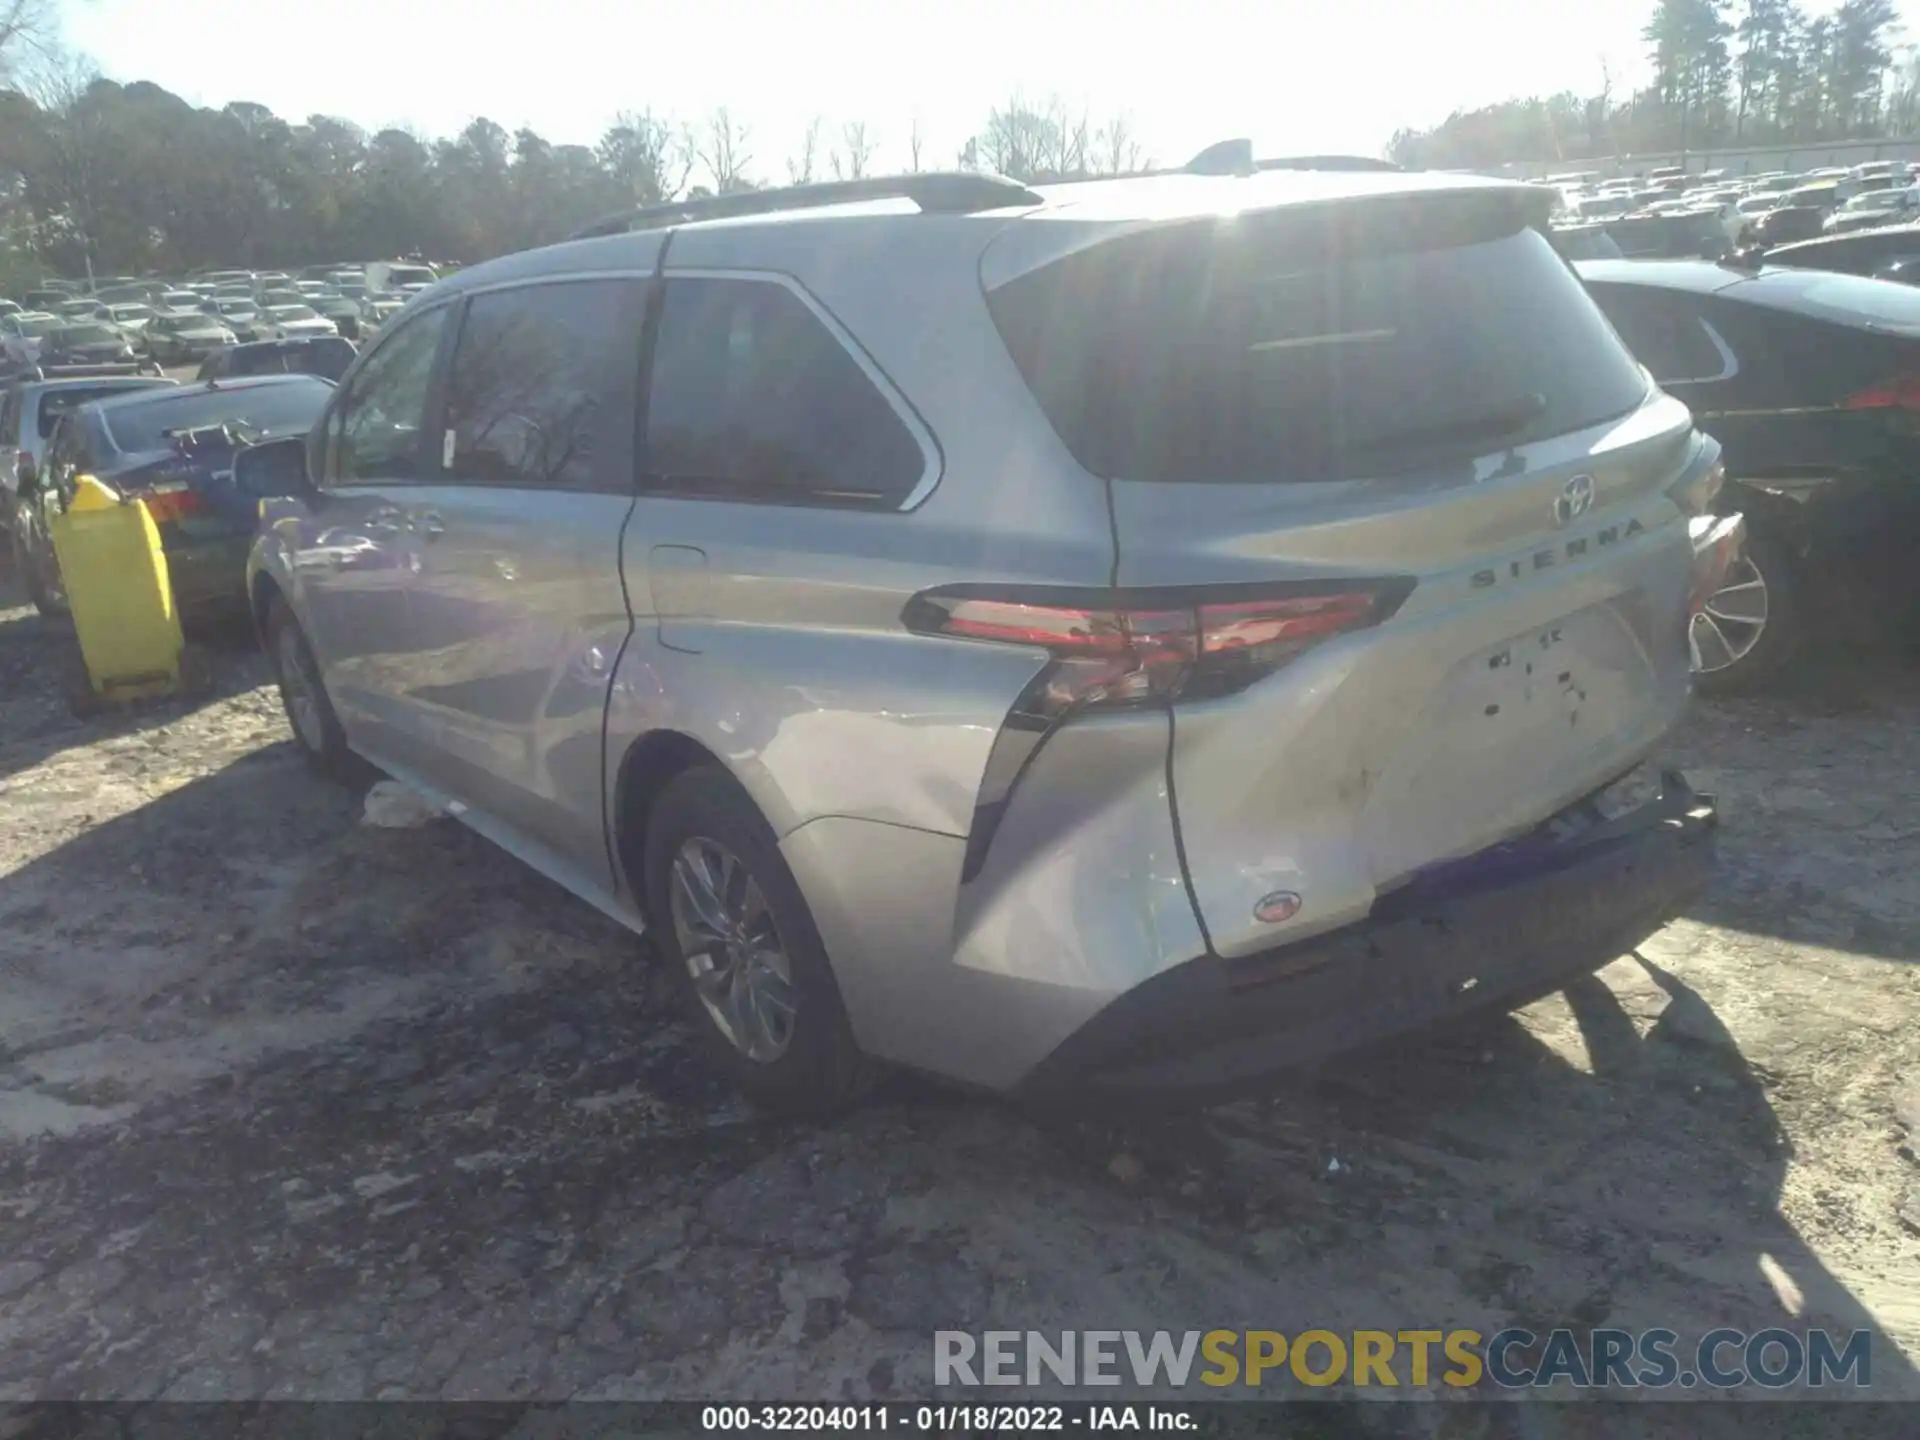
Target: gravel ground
(294,1107)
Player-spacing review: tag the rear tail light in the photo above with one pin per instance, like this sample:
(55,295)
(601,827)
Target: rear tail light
(1902,392)
(1697,494)
(166,506)
(1113,649)
(1716,546)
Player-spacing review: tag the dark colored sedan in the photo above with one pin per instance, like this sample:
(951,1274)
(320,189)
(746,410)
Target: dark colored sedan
(324,355)
(175,448)
(342,310)
(89,347)
(1811,382)
(1787,224)
(1887,252)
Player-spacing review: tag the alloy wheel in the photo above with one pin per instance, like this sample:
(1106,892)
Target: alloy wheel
(732,950)
(1733,620)
(300,690)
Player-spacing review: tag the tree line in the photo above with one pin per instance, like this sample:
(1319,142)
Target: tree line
(1723,73)
(131,178)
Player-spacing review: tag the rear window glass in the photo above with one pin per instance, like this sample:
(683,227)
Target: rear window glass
(1880,304)
(287,408)
(1292,352)
(55,403)
(326,357)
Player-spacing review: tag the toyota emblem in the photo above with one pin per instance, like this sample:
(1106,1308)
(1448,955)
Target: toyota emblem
(1573,501)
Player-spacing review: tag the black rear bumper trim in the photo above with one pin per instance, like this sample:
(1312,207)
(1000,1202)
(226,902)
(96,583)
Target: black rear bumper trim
(1215,1027)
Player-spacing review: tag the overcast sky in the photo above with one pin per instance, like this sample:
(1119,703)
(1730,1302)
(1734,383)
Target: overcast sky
(1316,76)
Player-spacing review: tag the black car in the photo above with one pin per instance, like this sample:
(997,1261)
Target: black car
(1884,252)
(88,346)
(175,449)
(1785,225)
(1810,380)
(324,355)
(1687,236)
(1581,241)
(342,310)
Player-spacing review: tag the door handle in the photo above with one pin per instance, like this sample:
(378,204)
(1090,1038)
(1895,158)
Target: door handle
(430,525)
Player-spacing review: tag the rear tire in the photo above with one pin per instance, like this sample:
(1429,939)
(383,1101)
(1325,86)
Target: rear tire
(1772,651)
(303,695)
(766,1002)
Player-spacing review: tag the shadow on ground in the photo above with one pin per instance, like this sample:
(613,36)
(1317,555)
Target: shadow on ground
(417,1124)
(45,701)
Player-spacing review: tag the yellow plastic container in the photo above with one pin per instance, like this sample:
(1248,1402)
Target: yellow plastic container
(116,580)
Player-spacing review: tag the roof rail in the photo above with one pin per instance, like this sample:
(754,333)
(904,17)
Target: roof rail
(950,192)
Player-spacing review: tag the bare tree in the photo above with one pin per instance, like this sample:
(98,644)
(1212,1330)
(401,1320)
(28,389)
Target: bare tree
(722,148)
(800,168)
(25,25)
(1031,142)
(1116,149)
(75,143)
(914,143)
(854,152)
(647,158)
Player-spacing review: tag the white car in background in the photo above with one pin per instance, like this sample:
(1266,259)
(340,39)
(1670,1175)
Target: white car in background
(294,322)
(130,318)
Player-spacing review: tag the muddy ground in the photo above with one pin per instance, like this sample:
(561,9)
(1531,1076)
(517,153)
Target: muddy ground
(294,1107)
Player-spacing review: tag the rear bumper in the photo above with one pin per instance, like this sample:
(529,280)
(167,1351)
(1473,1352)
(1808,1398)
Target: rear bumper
(208,574)
(1492,933)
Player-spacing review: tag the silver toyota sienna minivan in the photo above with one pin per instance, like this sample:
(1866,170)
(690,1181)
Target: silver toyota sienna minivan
(1108,639)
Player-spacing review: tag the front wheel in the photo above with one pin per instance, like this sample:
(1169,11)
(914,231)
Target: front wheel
(729,918)
(1749,631)
(303,695)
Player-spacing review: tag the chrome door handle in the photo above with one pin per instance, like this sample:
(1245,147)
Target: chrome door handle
(431,525)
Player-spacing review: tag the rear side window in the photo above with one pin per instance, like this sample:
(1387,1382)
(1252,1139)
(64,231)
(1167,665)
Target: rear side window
(1663,333)
(534,377)
(754,397)
(55,403)
(1306,348)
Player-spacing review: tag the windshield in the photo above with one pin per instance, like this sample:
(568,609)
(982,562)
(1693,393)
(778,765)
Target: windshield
(293,312)
(132,312)
(1876,200)
(287,408)
(87,335)
(239,309)
(35,329)
(409,275)
(1274,352)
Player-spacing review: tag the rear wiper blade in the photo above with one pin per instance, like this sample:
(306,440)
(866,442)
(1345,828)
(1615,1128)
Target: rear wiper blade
(1488,424)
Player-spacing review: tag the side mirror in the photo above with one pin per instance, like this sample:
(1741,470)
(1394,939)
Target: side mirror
(273,469)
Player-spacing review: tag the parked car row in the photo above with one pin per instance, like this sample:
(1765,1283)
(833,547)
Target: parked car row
(163,322)
(1671,214)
